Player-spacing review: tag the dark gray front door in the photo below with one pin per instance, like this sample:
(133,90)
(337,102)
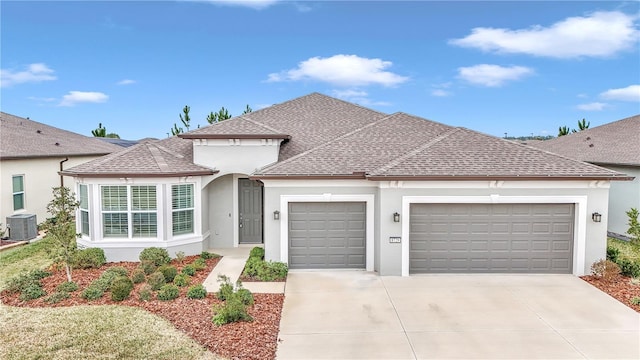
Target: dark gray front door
(327,235)
(491,238)
(250,211)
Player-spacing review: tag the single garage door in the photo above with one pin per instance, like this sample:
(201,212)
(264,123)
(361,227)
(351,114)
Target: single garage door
(327,235)
(491,238)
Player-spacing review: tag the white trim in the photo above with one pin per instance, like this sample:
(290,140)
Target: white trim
(580,224)
(368,199)
(317,183)
(493,184)
(236,209)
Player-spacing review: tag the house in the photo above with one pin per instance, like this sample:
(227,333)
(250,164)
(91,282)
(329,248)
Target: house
(31,155)
(323,183)
(615,146)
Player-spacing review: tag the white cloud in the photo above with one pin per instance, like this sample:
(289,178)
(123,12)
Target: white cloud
(76,97)
(126,82)
(254,4)
(440,93)
(492,75)
(342,70)
(598,34)
(358,97)
(630,93)
(34,73)
(594,106)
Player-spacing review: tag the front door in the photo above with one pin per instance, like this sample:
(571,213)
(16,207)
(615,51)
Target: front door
(250,211)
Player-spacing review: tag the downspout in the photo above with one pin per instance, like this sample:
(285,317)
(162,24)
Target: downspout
(61,168)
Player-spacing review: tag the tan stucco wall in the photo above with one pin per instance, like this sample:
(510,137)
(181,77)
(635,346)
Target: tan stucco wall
(40,177)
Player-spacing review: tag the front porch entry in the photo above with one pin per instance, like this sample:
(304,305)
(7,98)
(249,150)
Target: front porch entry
(250,212)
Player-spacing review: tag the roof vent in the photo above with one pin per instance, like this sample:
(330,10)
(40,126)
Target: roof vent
(39,131)
(588,137)
(57,144)
(590,145)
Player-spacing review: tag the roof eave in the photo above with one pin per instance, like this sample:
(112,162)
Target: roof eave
(359,176)
(495,177)
(45,156)
(138,175)
(235,136)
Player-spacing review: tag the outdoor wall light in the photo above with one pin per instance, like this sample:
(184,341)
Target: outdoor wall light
(276,215)
(396,217)
(596,217)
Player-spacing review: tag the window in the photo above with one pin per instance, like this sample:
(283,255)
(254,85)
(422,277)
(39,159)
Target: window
(129,211)
(182,208)
(84,210)
(18,192)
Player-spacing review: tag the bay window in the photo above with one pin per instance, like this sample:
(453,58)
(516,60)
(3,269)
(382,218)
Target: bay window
(129,211)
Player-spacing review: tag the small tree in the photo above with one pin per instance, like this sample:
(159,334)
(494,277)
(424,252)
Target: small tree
(247,110)
(221,115)
(100,131)
(186,119)
(563,130)
(175,130)
(583,124)
(61,227)
(634,225)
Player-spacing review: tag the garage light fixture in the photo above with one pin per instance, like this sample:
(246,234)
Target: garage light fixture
(276,215)
(596,217)
(396,217)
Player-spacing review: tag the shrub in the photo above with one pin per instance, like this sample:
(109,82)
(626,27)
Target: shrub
(159,256)
(272,270)
(197,292)
(635,300)
(121,288)
(137,276)
(207,255)
(629,267)
(182,280)
(245,296)
(231,311)
(189,270)
(252,265)
(226,288)
(634,281)
(168,292)
(92,292)
(91,258)
(605,269)
(156,280)
(118,271)
(67,286)
(169,272)
(23,280)
(145,292)
(180,256)
(56,297)
(613,254)
(634,225)
(199,264)
(32,291)
(148,266)
(257,252)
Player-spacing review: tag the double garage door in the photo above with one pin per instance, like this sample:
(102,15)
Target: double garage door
(491,238)
(443,238)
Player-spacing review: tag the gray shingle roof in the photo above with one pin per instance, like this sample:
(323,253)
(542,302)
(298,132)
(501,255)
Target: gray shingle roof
(155,158)
(616,143)
(22,138)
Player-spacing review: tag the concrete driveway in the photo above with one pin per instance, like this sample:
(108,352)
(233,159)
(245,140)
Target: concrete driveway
(360,315)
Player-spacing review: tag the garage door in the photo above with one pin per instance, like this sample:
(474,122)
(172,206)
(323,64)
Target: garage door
(328,235)
(491,238)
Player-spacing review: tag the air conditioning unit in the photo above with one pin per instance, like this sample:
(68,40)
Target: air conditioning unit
(22,227)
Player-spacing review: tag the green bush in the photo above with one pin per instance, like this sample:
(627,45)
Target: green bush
(189,270)
(180,256)
(182,280)
(605,269)
(613,254)
(252,265)
(159,256)
(272,270)
(23,280)
(197,292)
(169,272)
(56,297)
(92,292)
(156,280)
(32,291)
(118,271)
(199,264)
(207,255)
(91,258)
(67,287)
(629,267)
(121,288)
(257,252)
(226,288)
(245,296)
(635,300)
(148,266)
(145,292)
(168,292)
(138,276)
(231,311)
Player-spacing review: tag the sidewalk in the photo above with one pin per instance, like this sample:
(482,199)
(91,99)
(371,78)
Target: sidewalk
(231,265)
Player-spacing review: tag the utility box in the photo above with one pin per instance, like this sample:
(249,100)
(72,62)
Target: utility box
(22,226)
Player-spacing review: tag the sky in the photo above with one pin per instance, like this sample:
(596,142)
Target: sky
(515,67)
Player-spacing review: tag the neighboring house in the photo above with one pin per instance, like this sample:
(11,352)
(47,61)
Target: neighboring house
(615,146)
(31,155)
(324,183)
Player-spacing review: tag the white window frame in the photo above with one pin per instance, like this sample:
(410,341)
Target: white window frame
(184,210)
(84,210)
(20,193)
(130,212)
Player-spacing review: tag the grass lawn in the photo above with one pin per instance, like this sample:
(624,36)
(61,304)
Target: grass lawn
(627,249)
(84,332)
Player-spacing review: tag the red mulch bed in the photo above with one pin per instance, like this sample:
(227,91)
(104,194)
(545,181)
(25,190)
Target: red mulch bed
(620,288)
(242,340)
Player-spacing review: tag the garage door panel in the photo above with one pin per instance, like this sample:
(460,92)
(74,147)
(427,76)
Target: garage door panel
(491,238)
(327,235)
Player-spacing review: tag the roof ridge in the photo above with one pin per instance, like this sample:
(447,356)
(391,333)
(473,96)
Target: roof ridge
(557,155)
(262,125)
(157,157)
(167,150)
(275,165)
(415,151)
